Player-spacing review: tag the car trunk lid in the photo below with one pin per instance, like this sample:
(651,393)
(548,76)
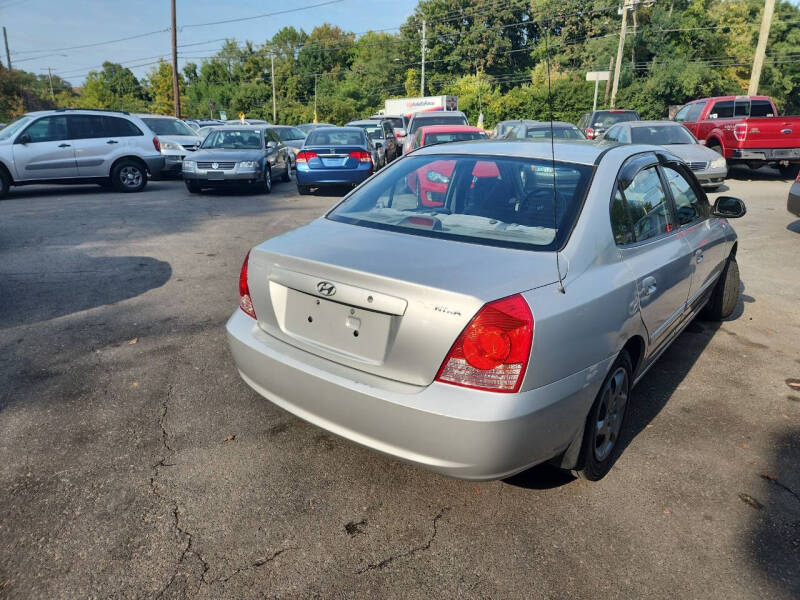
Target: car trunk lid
(333,157)
(387,303)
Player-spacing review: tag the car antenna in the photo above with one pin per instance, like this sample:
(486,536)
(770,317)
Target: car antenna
(552,156)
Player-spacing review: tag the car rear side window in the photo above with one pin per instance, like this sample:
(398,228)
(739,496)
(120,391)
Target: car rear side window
(48,129)
(761,108)
(501,201)
(84,127)
(117,127)
(640,210)
(722,110)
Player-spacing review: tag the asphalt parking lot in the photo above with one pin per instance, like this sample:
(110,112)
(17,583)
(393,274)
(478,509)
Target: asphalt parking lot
(134,463)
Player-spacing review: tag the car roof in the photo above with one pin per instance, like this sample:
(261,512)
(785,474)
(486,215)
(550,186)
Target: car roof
(742,98)
(438,113)
(152,116)
(362,122)
(242,127)
(650,123)
(582,152)
(450,129)
(346,128)
(546,124)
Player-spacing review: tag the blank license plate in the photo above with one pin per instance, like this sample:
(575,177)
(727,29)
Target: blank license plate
(216,175)
(339,327)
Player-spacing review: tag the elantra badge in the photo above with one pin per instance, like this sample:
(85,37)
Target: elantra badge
(326,288)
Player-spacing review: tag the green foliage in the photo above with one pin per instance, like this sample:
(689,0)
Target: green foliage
(675,51)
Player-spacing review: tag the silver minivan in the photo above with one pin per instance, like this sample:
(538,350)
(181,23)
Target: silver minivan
(110,148)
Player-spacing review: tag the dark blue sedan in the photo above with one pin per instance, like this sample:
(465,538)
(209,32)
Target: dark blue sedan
(335,156)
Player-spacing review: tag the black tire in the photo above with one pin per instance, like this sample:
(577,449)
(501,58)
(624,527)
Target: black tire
(287,177)
(266,183)
(725,296)
(129,176)
(5,183)
(192,186)
(601,434)
(789,171)
(303,190)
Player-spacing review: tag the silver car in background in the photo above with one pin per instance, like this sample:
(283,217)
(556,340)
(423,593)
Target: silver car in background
(499,327)
(709,166)
(176,139)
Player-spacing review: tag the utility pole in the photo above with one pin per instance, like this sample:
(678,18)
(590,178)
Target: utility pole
(422,81)
(50,75)
(176,90)
(315,98)
(8,54)
(274,105)
(608,81)
(761,48)
(626,5)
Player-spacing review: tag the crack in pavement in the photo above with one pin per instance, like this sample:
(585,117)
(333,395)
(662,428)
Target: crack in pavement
(782,485)
(426,546)
(254,565)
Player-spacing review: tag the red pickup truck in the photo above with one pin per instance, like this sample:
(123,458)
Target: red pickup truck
(745,129)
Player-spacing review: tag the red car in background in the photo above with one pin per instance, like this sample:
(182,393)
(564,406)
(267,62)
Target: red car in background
(745,129)
(430,182)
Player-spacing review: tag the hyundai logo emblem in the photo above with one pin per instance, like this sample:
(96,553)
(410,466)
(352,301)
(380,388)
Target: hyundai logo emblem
(326,288)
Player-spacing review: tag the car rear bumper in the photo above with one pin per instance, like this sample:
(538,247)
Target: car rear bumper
(307,176)
(155,164)
(768,154)
(455,431)
(793,203)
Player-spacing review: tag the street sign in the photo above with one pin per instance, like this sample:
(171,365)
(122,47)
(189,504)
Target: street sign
(223,116)
(598,75)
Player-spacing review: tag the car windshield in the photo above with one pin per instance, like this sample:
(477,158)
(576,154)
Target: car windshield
(661,134)
(559,133)
(374,130)
(491,200)
(606,118)
(288,134)
(397,122)
(13,127)
(456,136)
(168,127)
(443,119)
(233,139)
(325,136)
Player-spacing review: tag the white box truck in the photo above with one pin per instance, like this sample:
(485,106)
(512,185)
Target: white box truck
(409,106)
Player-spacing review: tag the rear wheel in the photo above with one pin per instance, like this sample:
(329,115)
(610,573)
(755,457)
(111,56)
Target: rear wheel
(725,296)
(5,182)
(192,186)
(129,176)
(789,171)
(604,424)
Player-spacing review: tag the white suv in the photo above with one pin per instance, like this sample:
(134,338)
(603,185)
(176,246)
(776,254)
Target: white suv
(79,146)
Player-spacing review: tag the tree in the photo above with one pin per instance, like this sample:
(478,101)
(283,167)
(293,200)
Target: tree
(159,86)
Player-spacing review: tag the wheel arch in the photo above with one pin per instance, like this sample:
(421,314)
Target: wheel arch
(132,157)
(7,172)
(635,347)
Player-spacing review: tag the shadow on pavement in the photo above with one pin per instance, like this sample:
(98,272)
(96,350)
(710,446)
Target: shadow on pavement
(794,227)
(774,538)
(31,297)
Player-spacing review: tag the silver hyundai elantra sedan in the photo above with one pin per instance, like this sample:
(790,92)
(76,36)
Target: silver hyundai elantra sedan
(478,308)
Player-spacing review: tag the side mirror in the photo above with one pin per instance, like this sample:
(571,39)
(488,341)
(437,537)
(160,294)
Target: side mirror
(729,207)
(24,139)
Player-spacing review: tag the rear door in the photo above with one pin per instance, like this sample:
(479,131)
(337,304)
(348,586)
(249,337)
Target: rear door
(94,146)
(645,231)
(49,154)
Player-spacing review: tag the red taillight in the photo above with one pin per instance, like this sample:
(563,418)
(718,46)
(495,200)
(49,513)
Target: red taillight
(305,155)
(590,133)
(245,302)
(362,156)
(493,350)
(740,132)
(156,144)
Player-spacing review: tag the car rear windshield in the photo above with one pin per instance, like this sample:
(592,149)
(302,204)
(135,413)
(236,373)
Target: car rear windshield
(374,129)
(559,133)
(168,127)
(459,136)
(500,201)
(233,139)
(661,134)
(327,136)
(397,122)
(605,118)
(443,119)
(288,134)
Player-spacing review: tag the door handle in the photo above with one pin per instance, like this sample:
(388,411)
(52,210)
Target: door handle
(698,256)
(648,286)
(112,142)
(63,145)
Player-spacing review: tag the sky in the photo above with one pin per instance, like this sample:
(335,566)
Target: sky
(39,29)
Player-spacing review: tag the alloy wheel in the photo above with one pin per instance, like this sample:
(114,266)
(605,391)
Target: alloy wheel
(610,414)
(130,176)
